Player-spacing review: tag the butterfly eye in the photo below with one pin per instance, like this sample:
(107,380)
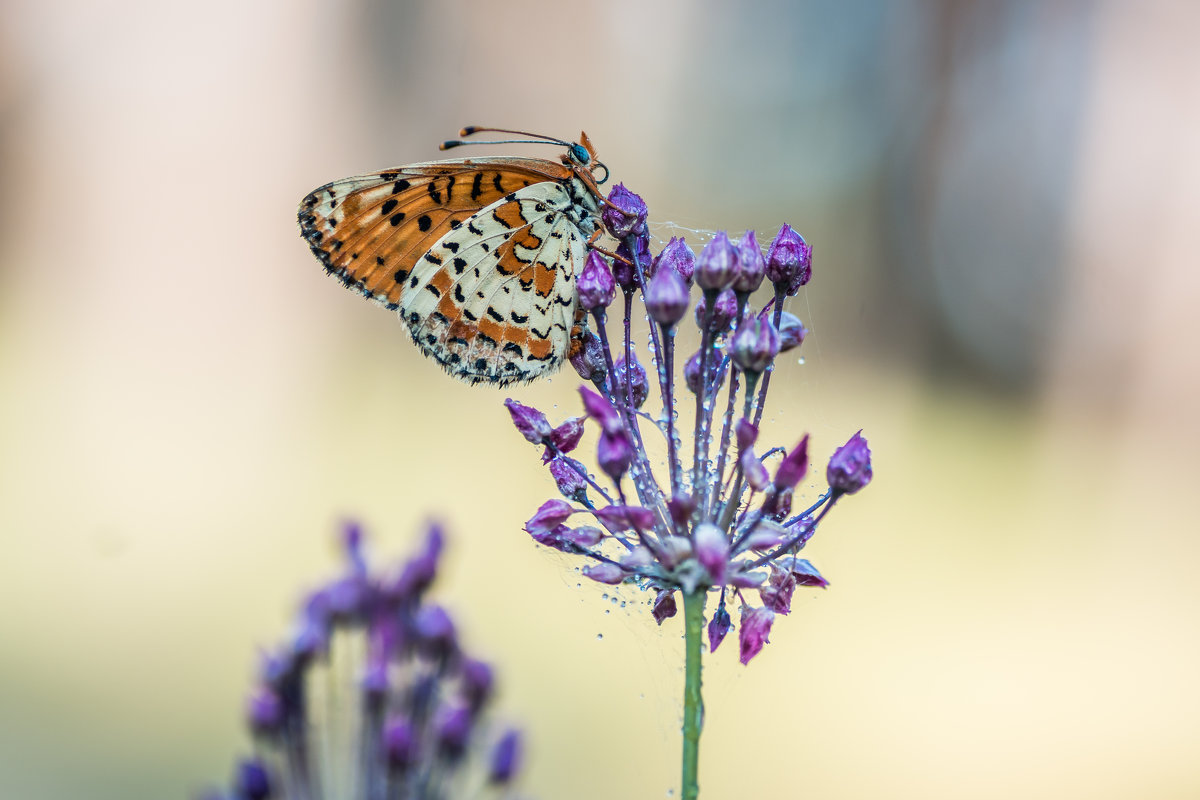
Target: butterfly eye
(598,166)
(580,153)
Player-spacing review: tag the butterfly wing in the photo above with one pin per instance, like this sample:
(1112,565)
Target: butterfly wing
(494,299)
(368,231)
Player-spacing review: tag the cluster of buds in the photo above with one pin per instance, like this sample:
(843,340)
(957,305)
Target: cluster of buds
(411,725)
(721,520)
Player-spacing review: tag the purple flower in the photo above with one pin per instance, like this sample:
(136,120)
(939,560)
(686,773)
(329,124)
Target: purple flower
(625,268)
(747,434)
(624,214)
(611,574)
(435,632)
(252,780)
(667,297)
(712,550)
(264,711)
(718,626)
(755,345)
(567,435)
(789,261)
(791,332)
(614,454)
(755,626)
(724,310)
(550,515)
(567,475)
(850,467)
(664,605)
(717,264)
(453,731)
(478,682)
(804,573)
(756,474)
(531,423)
(777,594)
(506,758)
(400,744)
(631,382)
(750,265)
(588,357)
(601,410)
(595,283)
(679,257)
(624,518)
(794,466)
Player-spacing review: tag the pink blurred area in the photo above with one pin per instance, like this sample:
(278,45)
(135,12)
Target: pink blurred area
(1001,198)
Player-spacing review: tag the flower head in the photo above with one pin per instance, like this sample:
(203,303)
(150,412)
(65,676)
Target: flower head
(717,265)
(624,214)
(850,467)
(789,261)
(595,284)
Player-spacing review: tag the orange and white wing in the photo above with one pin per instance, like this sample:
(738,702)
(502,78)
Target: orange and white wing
(369,230)
(494,299)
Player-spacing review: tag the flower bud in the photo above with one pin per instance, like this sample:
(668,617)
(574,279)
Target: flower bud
(778,504)
(712,550)
(664,606)
(506,758)
(724,311)
(717,264)
(531,423)
(681,506)
(777,594)
(850,467)
(794,466)
(264,712)
(595,283)
(400,744)
(612,574)
(614,453)
(631,382)
(625,269)
(624,214)
(567,475)
(791,332)
(667,297)
(435,631)
(750,265)
(478,681)
(453,729)
(789,261)
(718,626)
(678,256)
(691,371)
(756,474)
(755,345)
(567,435)
(747,434)
(549,516)
(252,781)
(600,410)
(756,625)
(588,357)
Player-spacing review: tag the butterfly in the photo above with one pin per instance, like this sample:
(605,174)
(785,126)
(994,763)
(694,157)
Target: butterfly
(478,255)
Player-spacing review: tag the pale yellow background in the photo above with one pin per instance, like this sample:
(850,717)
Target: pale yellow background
(1003,201)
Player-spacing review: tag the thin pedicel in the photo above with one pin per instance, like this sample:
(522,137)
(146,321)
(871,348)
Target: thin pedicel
(721,522)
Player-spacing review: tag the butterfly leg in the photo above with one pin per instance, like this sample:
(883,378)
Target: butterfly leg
(591,243)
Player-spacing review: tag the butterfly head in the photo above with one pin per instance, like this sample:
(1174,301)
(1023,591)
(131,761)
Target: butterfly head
(581,158)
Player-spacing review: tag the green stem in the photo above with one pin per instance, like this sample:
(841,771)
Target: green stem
(693,703)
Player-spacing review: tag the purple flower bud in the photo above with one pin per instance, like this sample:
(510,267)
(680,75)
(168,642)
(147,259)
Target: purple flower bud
(506,758)
(691,371)
(667,297)
(624,213)
(777,594)
(747,434)
(453,729)
(778,504)
(588,357)
(723,312)
(755,345)
(742,577)
(756,474)
(681,507)
(637,559)
(717,264)
(625,271)
(352,541)
(418,573)
(805,573)
(435,631)
(556,538)
(614,453)
(631,382)
(791,332)
(567,435)
(605,572)
(678,256)
(712,550)
(400,743)
(566,473)
(765,536)
(850,467)
(800,531)
(600,410)
(252,781)
(664,605)
(587,536)
(789,261)
(755,626)
(477,683)
(264,712)
(550,515)
(718,626)
(750,265)
(531,423)
(595,283)
(794,466)
(623,518)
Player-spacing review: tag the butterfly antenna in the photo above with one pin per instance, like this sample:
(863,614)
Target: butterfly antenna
(459,142)
(471,130)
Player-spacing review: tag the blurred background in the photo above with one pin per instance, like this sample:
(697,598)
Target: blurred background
(1002,198)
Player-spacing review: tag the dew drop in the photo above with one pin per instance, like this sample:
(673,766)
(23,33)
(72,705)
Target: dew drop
(599,636)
